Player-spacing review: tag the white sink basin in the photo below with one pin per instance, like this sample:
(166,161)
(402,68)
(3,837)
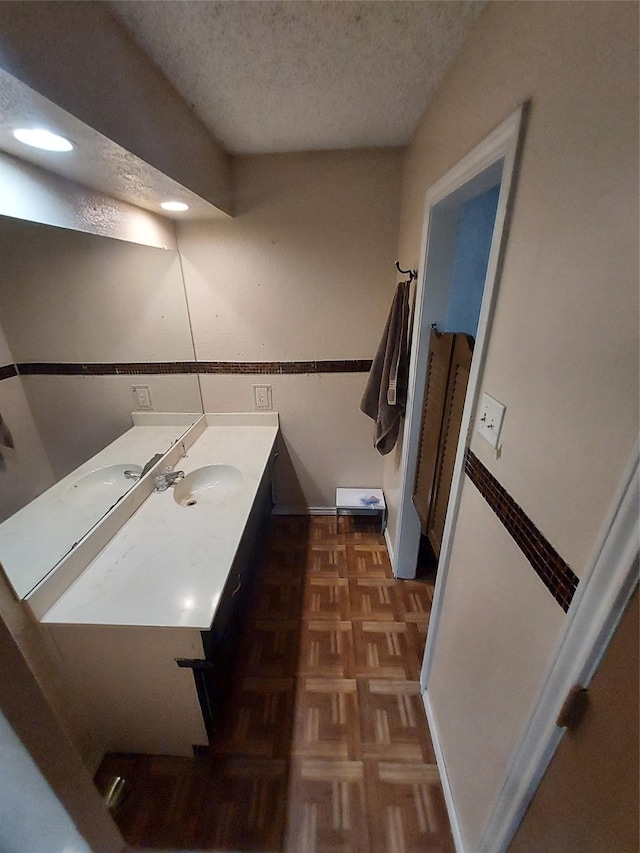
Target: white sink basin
(210,484)
(103,485)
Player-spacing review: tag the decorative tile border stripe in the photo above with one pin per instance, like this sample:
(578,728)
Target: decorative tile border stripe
(7,371)
(285,367)
(180,367)
(552,570)
(46,368)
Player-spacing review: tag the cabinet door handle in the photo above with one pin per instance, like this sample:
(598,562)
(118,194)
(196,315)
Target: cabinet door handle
(237,589)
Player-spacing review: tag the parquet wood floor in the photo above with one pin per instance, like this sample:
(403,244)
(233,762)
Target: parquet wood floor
(324,747)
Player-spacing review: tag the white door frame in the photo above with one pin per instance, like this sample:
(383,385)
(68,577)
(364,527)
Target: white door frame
(502,144)
(599,603)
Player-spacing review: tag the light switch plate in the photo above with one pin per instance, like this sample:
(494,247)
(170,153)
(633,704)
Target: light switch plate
(490,420)
(262,397)
(142,396)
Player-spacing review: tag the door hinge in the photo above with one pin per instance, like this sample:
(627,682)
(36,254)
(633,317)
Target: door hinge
(573,708)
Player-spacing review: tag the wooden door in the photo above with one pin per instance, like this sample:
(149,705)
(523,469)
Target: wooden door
(587,801)
(435,392)
(459,367)
(448,366)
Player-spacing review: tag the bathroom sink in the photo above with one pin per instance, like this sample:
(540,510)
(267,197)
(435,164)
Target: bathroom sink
(210,484)
(104,484)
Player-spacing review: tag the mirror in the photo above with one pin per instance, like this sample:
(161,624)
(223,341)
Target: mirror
(83,320)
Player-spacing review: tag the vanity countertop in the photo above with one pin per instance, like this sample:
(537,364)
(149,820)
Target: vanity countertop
(60,523)
(168,564)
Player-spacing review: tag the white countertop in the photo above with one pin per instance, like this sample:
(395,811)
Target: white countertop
(36,537)
(168,564)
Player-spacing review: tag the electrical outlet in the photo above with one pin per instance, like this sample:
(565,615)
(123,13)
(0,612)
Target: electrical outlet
(262,397)
(490,420)
(142,396)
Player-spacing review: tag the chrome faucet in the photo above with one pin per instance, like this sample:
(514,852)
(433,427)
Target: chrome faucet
(149,465)
(131,475)
(167,478)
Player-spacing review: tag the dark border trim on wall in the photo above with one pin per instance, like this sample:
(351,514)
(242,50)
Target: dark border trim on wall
(48,368)
(181,367)
(286,367)
(552,570)
(7,371)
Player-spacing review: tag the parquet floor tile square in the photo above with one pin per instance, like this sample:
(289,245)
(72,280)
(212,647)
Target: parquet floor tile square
(394,726)
(327,719)
(276,597)
(269,647)
(382,650)
(262,719)
(406,809)
(250,799)
(326,598)
(374,599)
(416,598)
(325,559)
(368,560)
(285,561)
(322,527)
(294,528)
(327,810)
(324,745)
(326,649)
(358,528)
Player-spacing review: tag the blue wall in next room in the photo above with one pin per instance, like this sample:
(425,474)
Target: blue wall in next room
(475,230)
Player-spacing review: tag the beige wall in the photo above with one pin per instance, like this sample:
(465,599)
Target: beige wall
(563,355)
(110,84)
(304,272)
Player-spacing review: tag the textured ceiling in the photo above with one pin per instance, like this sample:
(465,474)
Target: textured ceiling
(96,162)
(291,76)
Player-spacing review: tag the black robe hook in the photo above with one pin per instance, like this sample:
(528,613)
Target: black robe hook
(411,273)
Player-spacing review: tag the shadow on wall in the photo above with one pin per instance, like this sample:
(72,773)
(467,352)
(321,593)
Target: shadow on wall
(288,493)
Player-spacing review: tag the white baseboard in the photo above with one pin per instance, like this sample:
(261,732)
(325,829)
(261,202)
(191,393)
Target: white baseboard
(387,540)
(308,510)
(444,779)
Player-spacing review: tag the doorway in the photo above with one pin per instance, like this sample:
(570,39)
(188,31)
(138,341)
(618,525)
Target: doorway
(451,344)
(491,164)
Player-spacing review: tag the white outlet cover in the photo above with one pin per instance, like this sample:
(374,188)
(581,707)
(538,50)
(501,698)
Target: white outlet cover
(142,396)
(262,397)
(490,420)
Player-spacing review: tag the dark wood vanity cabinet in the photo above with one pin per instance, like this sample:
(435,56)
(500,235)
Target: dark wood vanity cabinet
(213,673)
(448,366)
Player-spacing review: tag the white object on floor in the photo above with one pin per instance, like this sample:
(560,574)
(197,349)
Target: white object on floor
(361,502)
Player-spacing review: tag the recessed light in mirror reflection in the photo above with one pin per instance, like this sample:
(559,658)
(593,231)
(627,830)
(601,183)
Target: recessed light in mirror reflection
(174,205)
(38,137)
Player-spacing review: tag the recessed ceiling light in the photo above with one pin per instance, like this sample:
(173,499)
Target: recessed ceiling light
(37,137)
(174,205)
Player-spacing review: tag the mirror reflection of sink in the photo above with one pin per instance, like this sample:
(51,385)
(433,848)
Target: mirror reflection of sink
(210,484)
(103,484)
